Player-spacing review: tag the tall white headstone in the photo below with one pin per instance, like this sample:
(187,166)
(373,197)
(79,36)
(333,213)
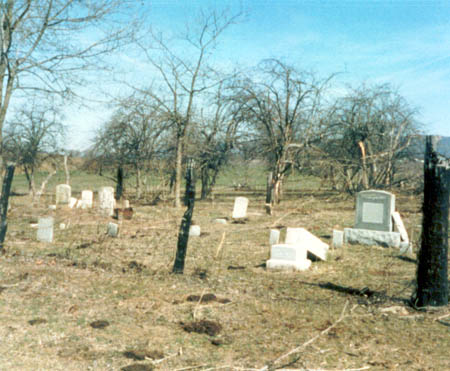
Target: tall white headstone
(86,199)
(63,194)
(45,229)
(106,200)
(240,208)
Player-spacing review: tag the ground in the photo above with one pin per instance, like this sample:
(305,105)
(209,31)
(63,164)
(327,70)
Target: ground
(91,302)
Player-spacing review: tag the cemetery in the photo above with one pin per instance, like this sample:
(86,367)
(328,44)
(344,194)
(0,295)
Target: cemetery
(322,283)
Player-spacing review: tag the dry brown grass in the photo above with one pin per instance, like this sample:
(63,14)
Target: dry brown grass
(325,314)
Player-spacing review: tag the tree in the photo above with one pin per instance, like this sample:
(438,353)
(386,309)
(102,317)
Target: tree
(183,66)
(131,138)
(282,108)
(33,136)
(43,48)
(370,131)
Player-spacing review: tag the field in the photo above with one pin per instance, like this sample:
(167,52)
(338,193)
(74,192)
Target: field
(91,302)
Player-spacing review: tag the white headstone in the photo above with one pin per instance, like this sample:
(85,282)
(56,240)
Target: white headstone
(398,223)
(106,200)
(338,239)
(52,207)
(62,226)
(374,210)
(284,256)
(86,199)
(72,202)
(63,193)
(126,204)
(240,208)
(305,239)
(274,237)
(194,230)
(112,230)
(220,221)
(45,229)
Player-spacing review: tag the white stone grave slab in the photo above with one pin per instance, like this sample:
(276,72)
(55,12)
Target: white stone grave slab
(220,221)
(112,230)
(372,238)
(63,194)
(300,236)
(287,256)
(240,208)
(274,237)
(86,199)
(338,239)
(45,229)
(398,223)
(106,200)
(374,210)
(72,202)
(194,231)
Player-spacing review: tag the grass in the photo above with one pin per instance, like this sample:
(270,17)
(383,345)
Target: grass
(126,281)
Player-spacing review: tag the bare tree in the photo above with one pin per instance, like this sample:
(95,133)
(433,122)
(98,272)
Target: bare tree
(33,136)
(46,44)
(183,66)
(370,132)
(282,108)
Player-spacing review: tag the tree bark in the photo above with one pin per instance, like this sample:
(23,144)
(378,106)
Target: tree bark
(119,185)
(178,170)
(183,236)
(6,189)
(432,281)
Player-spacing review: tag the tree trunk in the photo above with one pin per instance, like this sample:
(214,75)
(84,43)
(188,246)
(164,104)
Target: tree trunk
(138,182)
(66,169)
(119,185)
(178,170)
(432,281)
(183,236)
(205,183)
(6,189)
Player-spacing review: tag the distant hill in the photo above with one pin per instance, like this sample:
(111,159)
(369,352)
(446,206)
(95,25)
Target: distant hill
(444,146)
(417,148)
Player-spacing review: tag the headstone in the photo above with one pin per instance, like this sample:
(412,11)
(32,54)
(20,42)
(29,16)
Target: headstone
(72,202)
(369,237)
(220,221)
(300,236)
(398,223)
(240,208)
(374,210)
(284,256)
(52,207)
(194,231)
(45,229)
(112,230)
(86,199)
(106,200)
(274,237)
(63,193)
(126,204)
(62,226)
(338,239)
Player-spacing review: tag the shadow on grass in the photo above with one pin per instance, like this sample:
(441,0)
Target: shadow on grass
(407,259)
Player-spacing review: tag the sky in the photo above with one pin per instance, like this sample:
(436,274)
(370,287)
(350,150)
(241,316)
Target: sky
(405,43)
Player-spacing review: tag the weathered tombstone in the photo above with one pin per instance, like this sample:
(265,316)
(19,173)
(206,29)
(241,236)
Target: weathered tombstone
(220,221)
(126,204)
(305,239)
(72,202)
(106,200)
(284,256)
(338,239)
(86,199)
(240,208)
(371,238)
(398,223)
(112,230)
(45,229)
(63,194)
(274,237)
(194,231)
(374,210)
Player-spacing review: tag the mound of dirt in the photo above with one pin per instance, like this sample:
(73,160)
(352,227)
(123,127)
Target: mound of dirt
(203,326)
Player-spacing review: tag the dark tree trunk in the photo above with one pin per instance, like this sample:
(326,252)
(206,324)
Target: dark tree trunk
(189,180)
(183,236)
(432,281)
(119,185)
(6,189)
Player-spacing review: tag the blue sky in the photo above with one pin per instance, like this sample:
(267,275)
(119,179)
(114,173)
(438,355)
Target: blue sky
(402,42)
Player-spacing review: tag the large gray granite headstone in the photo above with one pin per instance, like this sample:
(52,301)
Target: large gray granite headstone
(374,210)
(45,229)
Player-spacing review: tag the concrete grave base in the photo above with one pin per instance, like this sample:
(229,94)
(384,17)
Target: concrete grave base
(301,265)
(287,256)
(369,237)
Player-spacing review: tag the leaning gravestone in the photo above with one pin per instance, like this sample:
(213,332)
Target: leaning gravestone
(305,239)
(86,199)
(285,256)
(374,210)
(240,208)
(63,194)
(45,229)
(274,237)
(106,200)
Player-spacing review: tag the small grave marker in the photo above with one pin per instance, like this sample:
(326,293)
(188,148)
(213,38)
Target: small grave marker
(194,231)
(338,239)
(63,194)
(284,256)
(112,230)
(106,200)
(274,237)
(45,229)
(240,208)
(86,199)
